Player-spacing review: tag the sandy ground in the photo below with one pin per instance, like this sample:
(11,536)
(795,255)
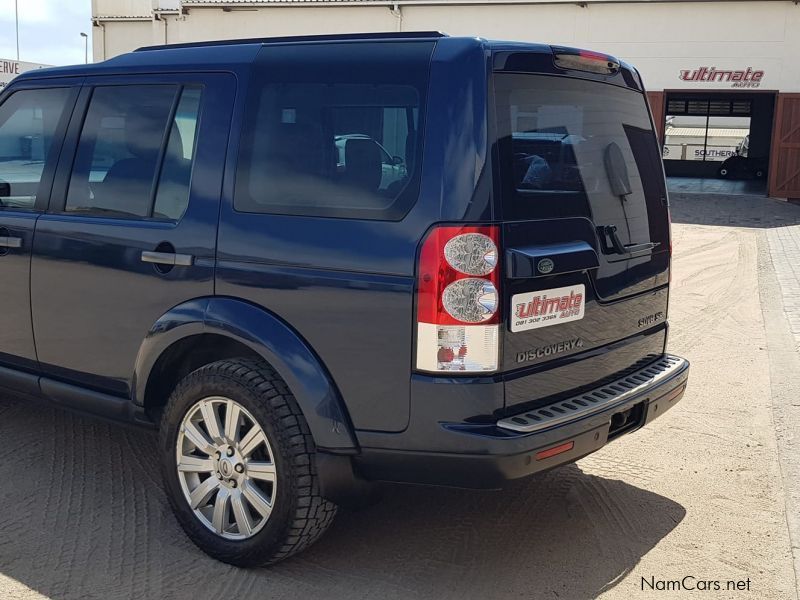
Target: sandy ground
(697,493)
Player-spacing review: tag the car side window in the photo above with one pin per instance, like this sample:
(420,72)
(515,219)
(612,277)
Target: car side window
(172,196)
(335,131)
(135,153)
(28,123)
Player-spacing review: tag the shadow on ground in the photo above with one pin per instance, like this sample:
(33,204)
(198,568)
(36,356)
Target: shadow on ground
(83,515)
(732,211)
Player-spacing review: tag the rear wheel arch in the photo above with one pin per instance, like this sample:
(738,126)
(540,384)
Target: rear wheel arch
(207,330)
(181,358)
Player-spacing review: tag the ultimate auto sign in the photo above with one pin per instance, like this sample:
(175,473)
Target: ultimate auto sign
(11,68)
(735,78)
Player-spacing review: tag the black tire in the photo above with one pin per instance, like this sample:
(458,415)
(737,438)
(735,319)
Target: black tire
(299,515)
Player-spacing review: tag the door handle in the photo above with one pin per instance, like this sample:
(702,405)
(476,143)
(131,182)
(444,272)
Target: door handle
(168,258)
(10,242)
(568,257)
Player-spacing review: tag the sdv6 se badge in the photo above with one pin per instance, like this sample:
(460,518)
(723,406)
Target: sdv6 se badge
(547,307)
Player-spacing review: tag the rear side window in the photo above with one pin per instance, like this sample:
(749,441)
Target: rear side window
(334,130)
(28,123)
(136,152)
(172,196)
(571,147)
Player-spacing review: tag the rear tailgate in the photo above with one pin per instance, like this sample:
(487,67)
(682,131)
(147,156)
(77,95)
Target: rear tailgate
(585,227)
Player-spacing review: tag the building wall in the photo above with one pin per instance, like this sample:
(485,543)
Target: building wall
(122,8)
(661,39)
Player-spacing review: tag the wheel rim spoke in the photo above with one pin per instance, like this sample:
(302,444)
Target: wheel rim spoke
(241,516)
(211,420)
(200,495)
(230,481)
(251,440)
(195,464)
(198,438)
(221,505)
(261,470)
(256,499)
(232,414)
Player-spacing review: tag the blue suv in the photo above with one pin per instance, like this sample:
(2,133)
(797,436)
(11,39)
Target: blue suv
(314,263)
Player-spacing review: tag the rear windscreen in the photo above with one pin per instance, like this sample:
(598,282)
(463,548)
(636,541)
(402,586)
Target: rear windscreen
(570,147)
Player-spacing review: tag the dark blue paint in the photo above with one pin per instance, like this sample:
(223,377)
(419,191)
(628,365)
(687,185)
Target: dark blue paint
(16,333)
(93,266)
(328,302)
(271,338)
(293,360)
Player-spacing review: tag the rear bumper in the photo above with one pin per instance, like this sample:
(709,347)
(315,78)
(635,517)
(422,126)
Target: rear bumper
(489,455)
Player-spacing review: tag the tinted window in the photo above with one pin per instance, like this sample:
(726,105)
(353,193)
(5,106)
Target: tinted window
(571,147)
(28,122)
(122,152)
(334,130)
(172,196)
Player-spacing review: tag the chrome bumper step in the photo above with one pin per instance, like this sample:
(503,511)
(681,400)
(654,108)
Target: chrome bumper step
(603,398)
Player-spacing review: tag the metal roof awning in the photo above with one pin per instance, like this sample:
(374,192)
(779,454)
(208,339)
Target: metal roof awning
(701,132)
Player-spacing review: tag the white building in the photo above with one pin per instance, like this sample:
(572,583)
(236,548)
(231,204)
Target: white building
(714,60)
(11,68)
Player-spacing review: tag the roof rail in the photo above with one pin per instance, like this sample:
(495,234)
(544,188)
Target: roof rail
(387,35)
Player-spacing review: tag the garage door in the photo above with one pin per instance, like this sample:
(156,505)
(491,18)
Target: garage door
(656,100)
(784,181)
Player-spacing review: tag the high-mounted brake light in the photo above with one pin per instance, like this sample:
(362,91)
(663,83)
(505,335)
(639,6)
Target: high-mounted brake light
(584,60)
(458,299)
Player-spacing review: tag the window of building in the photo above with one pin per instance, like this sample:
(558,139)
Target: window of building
(122,167)
(28,122)
(706,130)
(335,134)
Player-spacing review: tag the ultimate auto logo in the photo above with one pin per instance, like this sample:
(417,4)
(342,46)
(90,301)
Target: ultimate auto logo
(746,78)
(547,307)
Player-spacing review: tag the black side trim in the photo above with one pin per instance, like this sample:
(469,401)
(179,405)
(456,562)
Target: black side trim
(96,403)
(19,381)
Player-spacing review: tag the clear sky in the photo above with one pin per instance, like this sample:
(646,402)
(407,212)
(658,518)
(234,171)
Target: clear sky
(49,30)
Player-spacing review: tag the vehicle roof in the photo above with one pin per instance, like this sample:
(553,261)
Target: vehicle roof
(233,54)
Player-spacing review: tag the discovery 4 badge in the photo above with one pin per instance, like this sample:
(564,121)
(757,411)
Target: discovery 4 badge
(547,307)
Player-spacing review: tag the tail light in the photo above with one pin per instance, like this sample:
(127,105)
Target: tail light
(458,299)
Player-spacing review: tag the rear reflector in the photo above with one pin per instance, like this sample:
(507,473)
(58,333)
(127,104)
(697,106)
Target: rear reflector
(560,449)
(584,60)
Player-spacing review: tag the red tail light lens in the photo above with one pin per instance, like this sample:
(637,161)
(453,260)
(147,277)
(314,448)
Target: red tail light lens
(458,299)
(584,60)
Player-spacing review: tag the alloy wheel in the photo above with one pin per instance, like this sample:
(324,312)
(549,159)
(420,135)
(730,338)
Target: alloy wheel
(226,468)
